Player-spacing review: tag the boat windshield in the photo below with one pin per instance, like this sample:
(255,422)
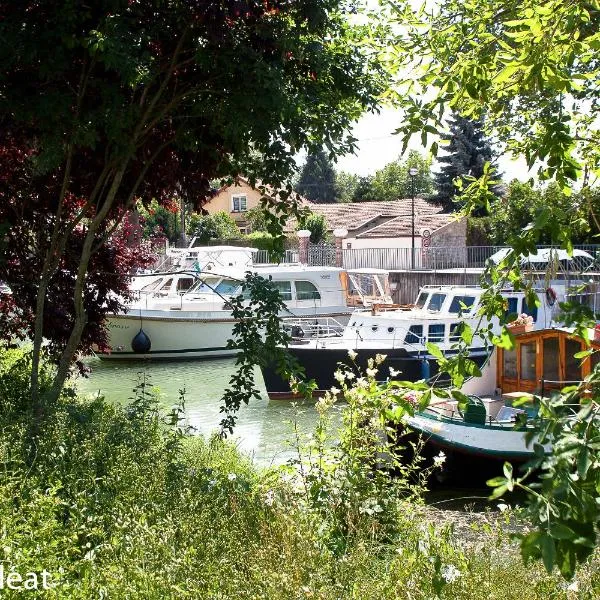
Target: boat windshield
(436,301)
(205,285)
(227,287)
(422,299)
(461,305)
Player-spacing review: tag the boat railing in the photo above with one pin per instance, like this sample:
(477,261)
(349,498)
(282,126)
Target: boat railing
(301,330)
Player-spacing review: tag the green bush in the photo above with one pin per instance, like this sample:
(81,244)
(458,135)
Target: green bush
(118,502)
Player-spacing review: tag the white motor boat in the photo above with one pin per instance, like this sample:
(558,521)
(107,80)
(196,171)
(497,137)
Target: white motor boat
(402,335)
(198,323)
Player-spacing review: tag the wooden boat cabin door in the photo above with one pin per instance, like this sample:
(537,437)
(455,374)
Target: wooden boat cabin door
(542,361)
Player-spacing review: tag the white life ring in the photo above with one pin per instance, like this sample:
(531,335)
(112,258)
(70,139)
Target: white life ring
(550,296)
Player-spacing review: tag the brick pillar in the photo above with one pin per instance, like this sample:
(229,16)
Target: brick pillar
(339,235)
(303,239)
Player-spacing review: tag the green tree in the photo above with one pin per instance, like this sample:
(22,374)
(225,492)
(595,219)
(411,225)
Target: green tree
(317,178)
(105,102)
(346,185)
(532,69)
(317,225)
(467,152)
(257,219)
(394,181)
(364,190)
(218,226)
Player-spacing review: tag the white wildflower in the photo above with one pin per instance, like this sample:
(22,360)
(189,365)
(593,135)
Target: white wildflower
(393,372)
(502,507)
(335,391)
(340,376)
(439,460)
(350,375)
(450,573)
(352,354)
(371,372)
(270,498)
(573,586)
(232,476)
(379,358)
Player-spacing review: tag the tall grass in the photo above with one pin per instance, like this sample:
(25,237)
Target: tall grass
(119,503)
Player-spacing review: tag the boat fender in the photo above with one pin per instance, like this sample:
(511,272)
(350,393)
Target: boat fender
(141,343)
(550,296)
(425,369)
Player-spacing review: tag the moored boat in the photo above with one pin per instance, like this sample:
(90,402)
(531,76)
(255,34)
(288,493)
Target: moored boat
(198,323)
(402,334)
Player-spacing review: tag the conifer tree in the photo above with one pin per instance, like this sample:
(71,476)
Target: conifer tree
(468,150)
(317,178)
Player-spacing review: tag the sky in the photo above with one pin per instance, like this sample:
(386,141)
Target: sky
(377,146)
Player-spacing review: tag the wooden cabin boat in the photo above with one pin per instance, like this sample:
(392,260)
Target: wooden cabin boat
(492,429)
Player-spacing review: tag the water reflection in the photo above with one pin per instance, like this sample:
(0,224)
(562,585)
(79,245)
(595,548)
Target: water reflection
(264,427)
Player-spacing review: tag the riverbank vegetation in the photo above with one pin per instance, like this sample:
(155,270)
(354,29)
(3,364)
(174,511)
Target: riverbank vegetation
(118,502)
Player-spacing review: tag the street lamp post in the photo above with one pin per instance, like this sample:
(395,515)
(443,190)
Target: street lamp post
(413,172)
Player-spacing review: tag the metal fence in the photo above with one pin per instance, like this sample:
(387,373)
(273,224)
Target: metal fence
(430,259)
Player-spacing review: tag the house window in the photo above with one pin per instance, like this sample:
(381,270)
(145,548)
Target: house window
(239,203)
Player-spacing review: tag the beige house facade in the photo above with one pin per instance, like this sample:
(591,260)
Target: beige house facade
(235,200)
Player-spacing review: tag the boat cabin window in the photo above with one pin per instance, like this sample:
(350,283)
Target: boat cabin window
(455,332)
(150,287)
(435,302)
(305,290)
(528,361)
(166,286)
(184,284)
(509,364)
(422,299)
(414,335)
(461,305)
(435,333)
(227,287)
(284,288)
(550,358)
(533,311)
(572,364)
(512,307)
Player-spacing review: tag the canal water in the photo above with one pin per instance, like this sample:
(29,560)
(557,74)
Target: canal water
(264,428)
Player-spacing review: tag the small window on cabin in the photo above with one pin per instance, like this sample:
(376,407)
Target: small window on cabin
(509,365)
(150,287)
(455,332)
(167,285)
(572,364)
(550,358)
(184,284)
(533,311)
(227,287)
(435,333)
(421,299)
(305,290)
(414,335)
(284,288)
(461,305)
(512,307)
(435,304)
(528,361)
